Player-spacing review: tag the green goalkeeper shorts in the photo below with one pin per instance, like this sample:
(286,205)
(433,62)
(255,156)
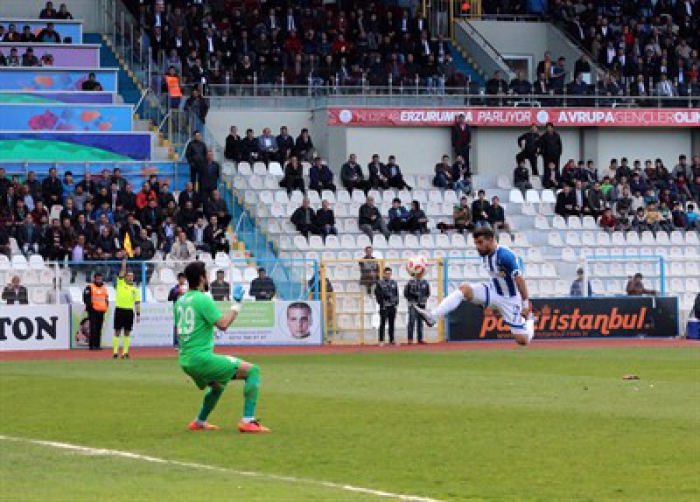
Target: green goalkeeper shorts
(212,368)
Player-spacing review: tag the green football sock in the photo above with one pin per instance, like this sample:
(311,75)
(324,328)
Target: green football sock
(115,344)
(210,399)
(250,391)
(125,349)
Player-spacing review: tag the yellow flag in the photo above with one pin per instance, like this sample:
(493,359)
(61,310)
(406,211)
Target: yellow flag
(127,246)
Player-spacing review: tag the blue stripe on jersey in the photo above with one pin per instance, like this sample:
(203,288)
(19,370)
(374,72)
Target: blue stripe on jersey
(503,267)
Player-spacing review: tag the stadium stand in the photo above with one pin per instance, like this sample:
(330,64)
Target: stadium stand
(616,219)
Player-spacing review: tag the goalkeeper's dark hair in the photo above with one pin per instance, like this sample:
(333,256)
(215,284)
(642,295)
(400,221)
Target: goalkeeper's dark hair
(194,272)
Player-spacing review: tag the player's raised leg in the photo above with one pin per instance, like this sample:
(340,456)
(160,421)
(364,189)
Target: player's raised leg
(250,373)
(447,305)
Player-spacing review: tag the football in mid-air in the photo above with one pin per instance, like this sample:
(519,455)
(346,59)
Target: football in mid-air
(417,266)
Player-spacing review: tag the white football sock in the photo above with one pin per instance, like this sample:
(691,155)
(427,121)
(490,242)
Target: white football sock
(448,304)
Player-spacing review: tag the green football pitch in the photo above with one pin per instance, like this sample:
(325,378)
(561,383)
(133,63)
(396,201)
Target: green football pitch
(492,425)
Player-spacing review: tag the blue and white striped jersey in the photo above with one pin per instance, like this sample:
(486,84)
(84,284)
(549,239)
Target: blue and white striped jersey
(503,266)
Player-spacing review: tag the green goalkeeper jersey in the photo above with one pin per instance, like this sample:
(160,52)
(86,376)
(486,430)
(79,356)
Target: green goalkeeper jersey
(195,316)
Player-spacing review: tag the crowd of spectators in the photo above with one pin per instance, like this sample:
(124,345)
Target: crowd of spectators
(93,218)
(313,43)
(633,197)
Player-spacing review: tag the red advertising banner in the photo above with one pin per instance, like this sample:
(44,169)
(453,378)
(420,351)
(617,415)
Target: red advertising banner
(515,117)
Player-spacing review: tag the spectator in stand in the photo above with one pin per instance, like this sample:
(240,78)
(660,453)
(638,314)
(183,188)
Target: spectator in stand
(377,170)
(635,287)
(5,246)
(267,146)
(144,196)
(461,176)
(262,288)
(12,34)
(351,175)
(15,293)
(220,289)
(393,174)
(48,35)
(417,219)
(320,176)
(196,155)
(304,147)
(91,84)
(480,210)
(48,12)
(189,194)
(182,249)
(29,59)
(232,151)
(210,174)
(285,144)
(52,189)
(462,138)
(215,237)
(197,106)
(250,149)
(521,177)
(608,222)
(325,220)
(596,201)
(693,218)
(462,217)
(369,270)
(577,285)
(529,146)
(197,235)
(63,13)
(304,219)
(581,205)
(398,216)
(680,219)
(550,147)
(371,220)
(443,174)
(387,295)
(497,216)
(293,176)
(566,203)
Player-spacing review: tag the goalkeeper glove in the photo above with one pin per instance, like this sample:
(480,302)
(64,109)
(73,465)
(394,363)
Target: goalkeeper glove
(238,293)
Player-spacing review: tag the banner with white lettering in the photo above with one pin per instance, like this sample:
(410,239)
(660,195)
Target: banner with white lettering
(26,327)
(515,117)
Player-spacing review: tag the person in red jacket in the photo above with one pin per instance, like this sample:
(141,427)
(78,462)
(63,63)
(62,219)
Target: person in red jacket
(146,194)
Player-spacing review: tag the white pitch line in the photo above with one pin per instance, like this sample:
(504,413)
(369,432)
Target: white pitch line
(194,465)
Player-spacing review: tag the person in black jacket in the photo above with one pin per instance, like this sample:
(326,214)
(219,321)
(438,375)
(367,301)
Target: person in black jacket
(209,174)
(262,288)
(52,190)
(529,144)
(325,220)
(285,144)
(293,176)
(416,292)
(250,150)
(304,147)
(462,138)
(196,155)
(371,220)
(14,292)
(521,177)
(566,202)
(377,169)
(387,293)
(480,210)
(550,147)
(233,145)
(304,219)
(320,176)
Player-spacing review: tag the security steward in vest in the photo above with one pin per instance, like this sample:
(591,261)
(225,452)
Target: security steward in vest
(387,294)
(96,303)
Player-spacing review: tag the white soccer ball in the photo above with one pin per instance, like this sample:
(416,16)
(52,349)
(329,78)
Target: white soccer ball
(417,266)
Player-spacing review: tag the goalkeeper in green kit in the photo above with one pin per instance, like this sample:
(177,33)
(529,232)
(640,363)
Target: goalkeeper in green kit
(196,315)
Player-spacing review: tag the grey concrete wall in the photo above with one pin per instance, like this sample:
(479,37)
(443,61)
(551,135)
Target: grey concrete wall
(493,152)
(528,39)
